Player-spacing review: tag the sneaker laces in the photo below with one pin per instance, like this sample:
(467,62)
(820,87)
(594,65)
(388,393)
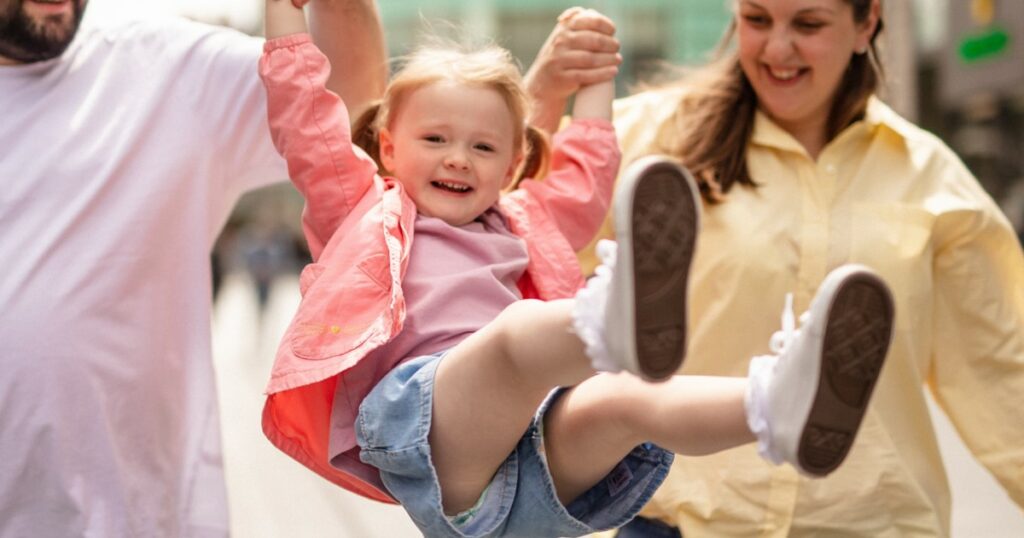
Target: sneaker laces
(591,303)
(760,375)
(782,338)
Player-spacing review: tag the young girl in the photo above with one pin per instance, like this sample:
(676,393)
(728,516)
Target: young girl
(422,376)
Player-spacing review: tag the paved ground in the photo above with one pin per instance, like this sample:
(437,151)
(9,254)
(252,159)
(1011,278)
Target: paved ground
(271,496)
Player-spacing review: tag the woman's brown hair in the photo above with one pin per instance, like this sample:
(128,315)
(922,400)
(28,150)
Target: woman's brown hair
(716,116)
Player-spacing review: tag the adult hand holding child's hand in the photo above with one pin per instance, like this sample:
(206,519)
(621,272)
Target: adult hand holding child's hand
(581,50)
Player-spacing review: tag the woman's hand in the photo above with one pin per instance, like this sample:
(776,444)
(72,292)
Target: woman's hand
(582,50)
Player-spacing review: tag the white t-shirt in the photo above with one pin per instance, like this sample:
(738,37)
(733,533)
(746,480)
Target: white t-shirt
(119,163)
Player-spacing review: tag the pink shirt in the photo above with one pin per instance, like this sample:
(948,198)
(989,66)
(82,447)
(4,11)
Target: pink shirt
(360,229)
(459,279)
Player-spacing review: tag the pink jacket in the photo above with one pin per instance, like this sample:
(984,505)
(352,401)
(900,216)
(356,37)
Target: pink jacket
(359,227)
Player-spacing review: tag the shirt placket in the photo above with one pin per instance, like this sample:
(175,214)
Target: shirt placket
(817,187)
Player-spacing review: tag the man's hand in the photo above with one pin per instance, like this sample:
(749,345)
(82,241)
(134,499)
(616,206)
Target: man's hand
(349,32)
(581,50)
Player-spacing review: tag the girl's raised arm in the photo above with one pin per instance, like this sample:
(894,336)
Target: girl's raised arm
(594,101)
(309,125)
(285,17)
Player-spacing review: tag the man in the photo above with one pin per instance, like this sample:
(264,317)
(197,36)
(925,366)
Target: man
(123,150)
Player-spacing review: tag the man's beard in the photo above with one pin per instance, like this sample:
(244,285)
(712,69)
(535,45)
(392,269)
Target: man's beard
(26,40)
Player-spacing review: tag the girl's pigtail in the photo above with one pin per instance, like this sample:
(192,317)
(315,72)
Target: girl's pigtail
(537,156)
(364,132)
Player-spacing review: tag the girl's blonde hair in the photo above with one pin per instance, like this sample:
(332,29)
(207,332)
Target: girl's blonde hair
(716,118)
(489,67)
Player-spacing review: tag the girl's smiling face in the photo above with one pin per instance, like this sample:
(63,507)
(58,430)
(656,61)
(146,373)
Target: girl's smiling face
(452,147)
(795,52)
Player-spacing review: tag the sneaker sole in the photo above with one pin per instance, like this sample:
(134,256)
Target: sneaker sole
(856,342)
(664,219)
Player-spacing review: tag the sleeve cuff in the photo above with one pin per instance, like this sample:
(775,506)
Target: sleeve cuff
(291,40)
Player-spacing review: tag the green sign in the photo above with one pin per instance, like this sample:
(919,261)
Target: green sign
(980,47)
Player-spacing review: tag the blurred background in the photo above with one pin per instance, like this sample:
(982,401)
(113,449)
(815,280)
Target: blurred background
(955,67)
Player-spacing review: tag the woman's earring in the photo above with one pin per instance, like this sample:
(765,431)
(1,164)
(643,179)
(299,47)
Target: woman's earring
(862,50)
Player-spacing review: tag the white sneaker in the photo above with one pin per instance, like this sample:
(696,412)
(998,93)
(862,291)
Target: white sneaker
(806,404)
(632,315)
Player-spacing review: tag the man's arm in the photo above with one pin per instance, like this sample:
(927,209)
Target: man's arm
(349,33)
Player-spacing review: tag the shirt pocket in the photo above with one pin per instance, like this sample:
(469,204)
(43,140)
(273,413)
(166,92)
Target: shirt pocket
(895,240)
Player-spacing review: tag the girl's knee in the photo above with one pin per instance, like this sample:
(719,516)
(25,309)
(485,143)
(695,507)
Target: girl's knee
(515,319)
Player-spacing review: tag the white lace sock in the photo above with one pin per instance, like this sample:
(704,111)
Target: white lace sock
(588,313)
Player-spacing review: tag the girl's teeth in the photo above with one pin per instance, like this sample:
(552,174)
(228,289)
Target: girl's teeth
(452,186)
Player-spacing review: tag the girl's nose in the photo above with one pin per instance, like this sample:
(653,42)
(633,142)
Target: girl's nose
(456,161)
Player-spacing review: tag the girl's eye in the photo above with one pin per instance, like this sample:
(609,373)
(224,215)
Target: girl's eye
(436,139)
(484,147)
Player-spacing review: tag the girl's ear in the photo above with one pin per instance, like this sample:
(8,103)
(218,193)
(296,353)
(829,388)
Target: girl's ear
(387,149)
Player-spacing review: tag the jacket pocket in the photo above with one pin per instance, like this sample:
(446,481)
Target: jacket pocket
(342,307)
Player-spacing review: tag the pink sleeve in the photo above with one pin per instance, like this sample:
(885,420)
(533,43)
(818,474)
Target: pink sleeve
(577,192)
(310,128)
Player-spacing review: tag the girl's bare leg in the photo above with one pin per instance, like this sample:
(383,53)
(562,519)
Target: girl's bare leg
(594,425)
(488,388)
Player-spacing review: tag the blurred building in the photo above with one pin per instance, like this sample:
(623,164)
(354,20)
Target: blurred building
(974,72)
(652,32)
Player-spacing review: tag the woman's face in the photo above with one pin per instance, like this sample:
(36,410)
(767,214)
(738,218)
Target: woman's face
(794,52)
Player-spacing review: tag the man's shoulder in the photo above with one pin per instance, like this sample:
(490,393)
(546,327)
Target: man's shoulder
(156,32)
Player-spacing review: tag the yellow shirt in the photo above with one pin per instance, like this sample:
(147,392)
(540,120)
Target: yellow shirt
(892,196)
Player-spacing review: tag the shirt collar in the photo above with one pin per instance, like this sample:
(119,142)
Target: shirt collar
(878,115)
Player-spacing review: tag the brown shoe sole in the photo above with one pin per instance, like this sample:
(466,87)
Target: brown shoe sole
(664,229)
(856,342)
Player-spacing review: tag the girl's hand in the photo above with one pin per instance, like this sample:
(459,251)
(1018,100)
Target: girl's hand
(581,50)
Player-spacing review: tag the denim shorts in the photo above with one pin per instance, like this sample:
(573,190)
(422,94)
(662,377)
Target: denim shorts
(392,429)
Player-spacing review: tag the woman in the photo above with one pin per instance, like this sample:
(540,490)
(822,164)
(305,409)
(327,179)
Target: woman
(803,168)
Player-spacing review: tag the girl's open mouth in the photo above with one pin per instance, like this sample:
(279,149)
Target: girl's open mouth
(449,186)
